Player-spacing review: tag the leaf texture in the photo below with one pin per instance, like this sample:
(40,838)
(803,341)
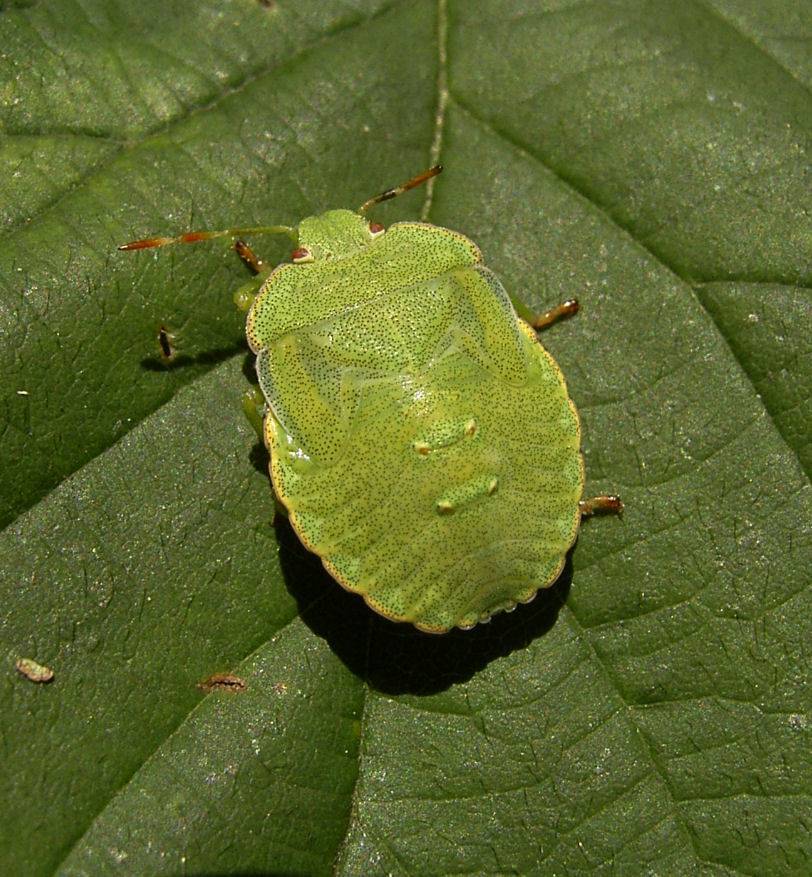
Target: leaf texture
(649,714)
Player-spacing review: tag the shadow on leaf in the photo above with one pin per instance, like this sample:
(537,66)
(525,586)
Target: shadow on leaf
(184,360)
(396,658)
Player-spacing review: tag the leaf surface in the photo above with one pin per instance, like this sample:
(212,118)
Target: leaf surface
(650,712)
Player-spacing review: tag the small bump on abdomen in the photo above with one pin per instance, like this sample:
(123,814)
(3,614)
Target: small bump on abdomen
(459,496)
(444,435)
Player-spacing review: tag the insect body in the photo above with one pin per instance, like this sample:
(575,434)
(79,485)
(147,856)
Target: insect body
(422,440)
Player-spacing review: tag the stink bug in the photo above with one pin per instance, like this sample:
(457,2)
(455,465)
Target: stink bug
(422,440)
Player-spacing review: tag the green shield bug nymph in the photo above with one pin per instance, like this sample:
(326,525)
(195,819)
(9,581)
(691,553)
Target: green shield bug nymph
(422,440)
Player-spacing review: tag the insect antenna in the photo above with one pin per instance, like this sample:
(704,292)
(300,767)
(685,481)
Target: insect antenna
(191,237)
(403,187)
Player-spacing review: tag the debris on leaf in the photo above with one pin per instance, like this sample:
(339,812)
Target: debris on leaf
(222,682)
(33,671)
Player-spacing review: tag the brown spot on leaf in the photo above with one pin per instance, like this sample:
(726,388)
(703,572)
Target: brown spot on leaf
(33,671)
(222,682)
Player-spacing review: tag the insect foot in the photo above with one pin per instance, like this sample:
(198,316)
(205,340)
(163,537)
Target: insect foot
(601,505)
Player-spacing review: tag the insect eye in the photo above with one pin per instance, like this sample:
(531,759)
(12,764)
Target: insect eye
(302,254)
(376,229)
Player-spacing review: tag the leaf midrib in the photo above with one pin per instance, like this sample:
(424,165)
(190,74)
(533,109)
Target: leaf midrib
(444,95)
(711,10)
(685,283)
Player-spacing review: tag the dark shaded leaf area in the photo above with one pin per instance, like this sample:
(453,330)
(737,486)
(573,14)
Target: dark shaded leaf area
(648,714)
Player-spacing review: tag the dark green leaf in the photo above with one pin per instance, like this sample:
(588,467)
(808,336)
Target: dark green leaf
(650,712)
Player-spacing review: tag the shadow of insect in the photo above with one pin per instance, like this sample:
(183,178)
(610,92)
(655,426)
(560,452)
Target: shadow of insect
(396,658)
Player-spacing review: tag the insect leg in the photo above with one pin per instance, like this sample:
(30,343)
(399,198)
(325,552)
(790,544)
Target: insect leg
(565,309)
(601,505)
(253,406)
(547,318)
(249,258)
(166,344)
(244,296)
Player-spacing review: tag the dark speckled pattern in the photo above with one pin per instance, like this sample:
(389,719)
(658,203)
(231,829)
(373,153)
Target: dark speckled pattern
(421,437)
